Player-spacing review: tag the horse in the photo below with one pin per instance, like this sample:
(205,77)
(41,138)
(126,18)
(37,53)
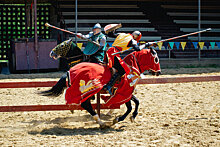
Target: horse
(86,79)
(72,53)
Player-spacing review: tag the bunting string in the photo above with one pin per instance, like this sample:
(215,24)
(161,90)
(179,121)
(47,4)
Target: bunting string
(178,45)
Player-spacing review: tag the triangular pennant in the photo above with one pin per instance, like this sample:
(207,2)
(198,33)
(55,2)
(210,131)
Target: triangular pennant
(207,45)
(212,44)
(218,44)
(79,45)
(177,44)
(201,44)
(110,44)
(165,44)
(188,44)
(195,44)
(171,44)
(160,45)
(183,44)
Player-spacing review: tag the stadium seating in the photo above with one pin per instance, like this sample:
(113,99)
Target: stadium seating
(185,15)
(174,18)
(155,19)
(106,12)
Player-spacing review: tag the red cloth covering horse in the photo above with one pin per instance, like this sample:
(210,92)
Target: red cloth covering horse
(87,79)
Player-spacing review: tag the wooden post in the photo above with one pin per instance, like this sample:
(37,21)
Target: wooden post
(98,104)
(35,36)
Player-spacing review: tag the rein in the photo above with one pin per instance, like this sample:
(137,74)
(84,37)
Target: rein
(73,57)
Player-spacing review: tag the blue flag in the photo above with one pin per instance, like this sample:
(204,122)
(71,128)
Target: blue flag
(110,44)
(212,44)
(171,44)
(177,45)
(165,44)
(207,45)
(218,44)
(195,44)
(188,44)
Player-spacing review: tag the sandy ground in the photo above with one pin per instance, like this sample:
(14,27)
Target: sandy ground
(184,114)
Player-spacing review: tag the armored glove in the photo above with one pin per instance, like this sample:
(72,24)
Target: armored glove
(148,44)
(136,48)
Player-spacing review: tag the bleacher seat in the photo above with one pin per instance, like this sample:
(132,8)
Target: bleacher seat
(185,15)
(106,12)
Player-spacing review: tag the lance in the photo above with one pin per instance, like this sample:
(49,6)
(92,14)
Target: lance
(152,43)
(49,25)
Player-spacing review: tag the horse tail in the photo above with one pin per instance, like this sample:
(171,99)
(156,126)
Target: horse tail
(57,89)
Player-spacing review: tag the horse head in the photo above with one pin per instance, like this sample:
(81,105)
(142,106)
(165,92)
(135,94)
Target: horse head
(147,59)
(155,65)
(61,49)
(68,50)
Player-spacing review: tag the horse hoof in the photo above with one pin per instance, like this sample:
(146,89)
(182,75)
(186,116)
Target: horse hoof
(104,126)
(72,111)
(132,119)
(116,120)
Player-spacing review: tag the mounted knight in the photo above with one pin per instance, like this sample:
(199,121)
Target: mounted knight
(123,41)
(94,51)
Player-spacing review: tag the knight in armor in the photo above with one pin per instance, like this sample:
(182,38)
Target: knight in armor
(122,42)
(96,53)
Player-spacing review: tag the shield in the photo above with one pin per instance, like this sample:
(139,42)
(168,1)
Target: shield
(111,27)
(90,49)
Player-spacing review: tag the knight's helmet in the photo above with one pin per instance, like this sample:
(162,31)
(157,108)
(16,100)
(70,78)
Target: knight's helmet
(137,34)
(96,29)
(97,26)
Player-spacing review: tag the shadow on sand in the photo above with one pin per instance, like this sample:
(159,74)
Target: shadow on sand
(60,120)
(61,131)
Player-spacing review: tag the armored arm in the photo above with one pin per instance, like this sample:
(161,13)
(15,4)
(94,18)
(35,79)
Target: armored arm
(146,45)
(133,44)
(87,36)
(102,41)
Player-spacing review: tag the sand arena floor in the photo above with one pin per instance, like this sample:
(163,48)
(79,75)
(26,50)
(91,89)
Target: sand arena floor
(184,114)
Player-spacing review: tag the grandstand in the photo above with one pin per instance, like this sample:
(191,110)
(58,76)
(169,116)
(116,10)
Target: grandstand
(185,16)
(106,12)
(156,19)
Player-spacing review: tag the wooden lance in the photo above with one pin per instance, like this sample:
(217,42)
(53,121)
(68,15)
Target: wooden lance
(49,25)
(152,43)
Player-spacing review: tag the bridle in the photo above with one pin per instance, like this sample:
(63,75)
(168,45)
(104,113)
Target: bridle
(155,57)
(73,57)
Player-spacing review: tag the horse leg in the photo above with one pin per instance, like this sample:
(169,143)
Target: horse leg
(134,114)
(121,118)
(88,107)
